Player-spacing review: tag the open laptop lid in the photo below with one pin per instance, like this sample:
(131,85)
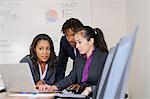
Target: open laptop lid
(17,77)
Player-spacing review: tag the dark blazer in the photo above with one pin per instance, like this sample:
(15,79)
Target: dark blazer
(65,52)
(50,75)
(95,72)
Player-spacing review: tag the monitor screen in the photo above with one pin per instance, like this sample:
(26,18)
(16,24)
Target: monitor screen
(116,84)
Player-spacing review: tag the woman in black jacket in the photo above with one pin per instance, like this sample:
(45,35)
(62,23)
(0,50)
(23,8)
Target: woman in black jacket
(42,60)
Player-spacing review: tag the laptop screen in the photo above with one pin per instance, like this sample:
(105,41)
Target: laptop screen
(17,77)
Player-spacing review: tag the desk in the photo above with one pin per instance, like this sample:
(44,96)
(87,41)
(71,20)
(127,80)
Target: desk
(7,95)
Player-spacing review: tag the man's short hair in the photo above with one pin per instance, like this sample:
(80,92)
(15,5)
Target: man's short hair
(72,24)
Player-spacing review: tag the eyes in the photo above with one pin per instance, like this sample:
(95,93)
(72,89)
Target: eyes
(43,48)
(70,35)
(79,42)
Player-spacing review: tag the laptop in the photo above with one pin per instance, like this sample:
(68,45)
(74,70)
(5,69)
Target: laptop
(17,77)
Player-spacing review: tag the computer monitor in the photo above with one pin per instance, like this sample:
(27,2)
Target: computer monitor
(107,67)
(118,75)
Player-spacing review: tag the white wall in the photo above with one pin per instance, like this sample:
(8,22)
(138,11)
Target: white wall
(148,49)
(139,82)
(118,17)
(110,16)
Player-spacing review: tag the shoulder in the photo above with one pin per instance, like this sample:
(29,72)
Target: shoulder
(26,59)
(64,41)
(55,61)
(100,54)
(63,38)
(52,63)
(79,59)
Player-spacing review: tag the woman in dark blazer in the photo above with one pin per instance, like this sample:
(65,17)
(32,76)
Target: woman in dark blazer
(42,60)
(89,66)
(96,68)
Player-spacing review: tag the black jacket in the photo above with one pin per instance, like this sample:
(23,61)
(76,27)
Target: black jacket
(95,72)
(65,52)
(50,75)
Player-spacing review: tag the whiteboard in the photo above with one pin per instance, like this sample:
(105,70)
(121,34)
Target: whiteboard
(22,20)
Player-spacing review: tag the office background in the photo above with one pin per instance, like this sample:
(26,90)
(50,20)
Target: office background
(22,20)
(116,18)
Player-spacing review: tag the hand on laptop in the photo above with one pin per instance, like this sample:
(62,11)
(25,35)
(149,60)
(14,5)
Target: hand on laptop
(46,88)
(40,82)
(53,88)
(42,87)
(73,87)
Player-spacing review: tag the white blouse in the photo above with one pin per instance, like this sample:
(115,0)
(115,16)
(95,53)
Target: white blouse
(42,76)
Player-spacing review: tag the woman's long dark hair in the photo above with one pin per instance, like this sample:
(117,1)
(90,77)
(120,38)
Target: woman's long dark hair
(33,55)
(97,34)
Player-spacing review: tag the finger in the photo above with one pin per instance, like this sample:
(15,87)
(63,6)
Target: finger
(70,86)
(47,87)
(54,88)
(44,87)
(73,87)
(37,87)
(77,89)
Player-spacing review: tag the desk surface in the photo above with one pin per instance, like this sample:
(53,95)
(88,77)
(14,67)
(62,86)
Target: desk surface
(7,95)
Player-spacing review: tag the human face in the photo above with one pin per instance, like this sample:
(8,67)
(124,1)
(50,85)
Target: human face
(42,50)
(70,37)
(83,45)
